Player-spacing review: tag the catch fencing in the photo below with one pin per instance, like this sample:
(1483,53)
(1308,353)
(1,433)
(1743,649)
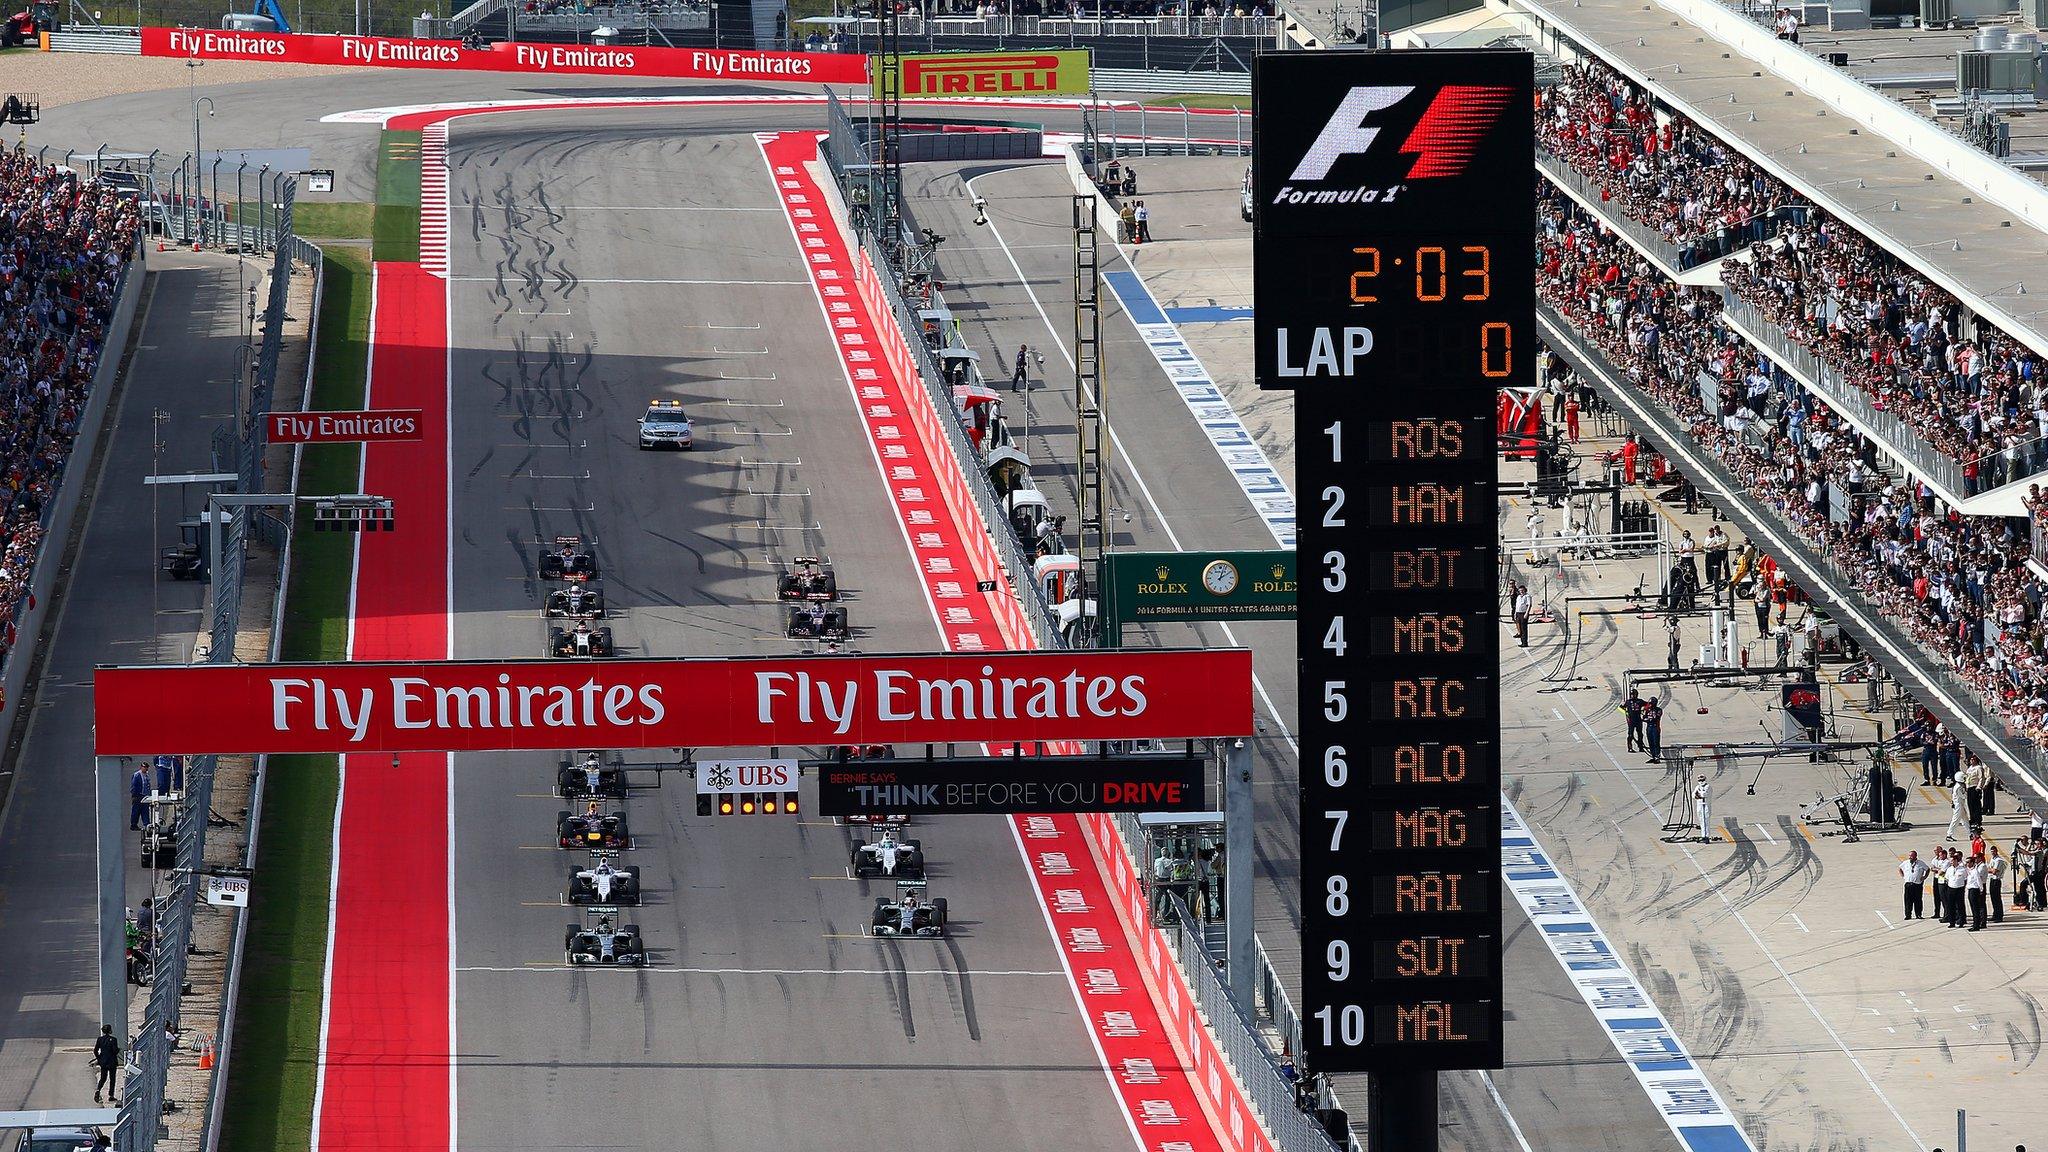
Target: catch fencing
(1901,439)
(845,150)
(1240,1030)
(239,450)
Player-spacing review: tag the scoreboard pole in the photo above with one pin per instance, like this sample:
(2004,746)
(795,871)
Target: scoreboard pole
(1393,271)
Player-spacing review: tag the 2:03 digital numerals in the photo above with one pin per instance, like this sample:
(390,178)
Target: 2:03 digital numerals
(1438,275)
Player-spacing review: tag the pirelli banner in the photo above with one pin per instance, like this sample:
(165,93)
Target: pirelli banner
(1062,72)
(479,706)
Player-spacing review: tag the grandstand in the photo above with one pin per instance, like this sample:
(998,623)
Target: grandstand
(64,244)
(1860,388)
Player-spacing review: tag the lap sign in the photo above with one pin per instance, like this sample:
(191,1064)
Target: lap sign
(1333,352)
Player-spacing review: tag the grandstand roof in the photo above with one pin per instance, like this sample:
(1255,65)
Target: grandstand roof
(1980,251)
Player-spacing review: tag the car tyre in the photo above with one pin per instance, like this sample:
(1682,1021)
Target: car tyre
(939,912)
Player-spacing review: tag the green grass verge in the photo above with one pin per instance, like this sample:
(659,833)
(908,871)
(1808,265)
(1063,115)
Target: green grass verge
(396,231)
(341,219)
(323,220)
(277,1024)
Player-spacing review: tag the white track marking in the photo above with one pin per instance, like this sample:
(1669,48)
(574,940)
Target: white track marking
(1513,1128)
(1783,974)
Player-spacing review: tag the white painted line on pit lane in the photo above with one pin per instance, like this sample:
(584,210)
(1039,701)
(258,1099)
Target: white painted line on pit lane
(754,403)
(1795,919)
(746,463)
(1513,1128)
(1693,858)
(760,527)
(1761,830)
(730,376)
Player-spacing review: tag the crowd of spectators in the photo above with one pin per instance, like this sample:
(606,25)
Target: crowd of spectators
(63,245)
(1662,172)
(1977,396)
(1968,390)
(1956,584)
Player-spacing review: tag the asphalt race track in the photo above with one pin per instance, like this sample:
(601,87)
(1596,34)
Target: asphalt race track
(764,1002)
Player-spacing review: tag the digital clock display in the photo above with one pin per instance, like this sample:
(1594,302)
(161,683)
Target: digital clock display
(1393,273)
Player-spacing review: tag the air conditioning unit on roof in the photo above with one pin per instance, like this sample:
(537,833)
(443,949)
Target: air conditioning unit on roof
(1996,72)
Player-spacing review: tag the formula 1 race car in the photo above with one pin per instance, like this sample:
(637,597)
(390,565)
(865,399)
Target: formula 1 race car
(600,943)
(808,579)
(592,829)
(816,622)
(588,775)
(602,883)
(582,640)
(889,856)
(576,602)
(910,914)
(568,560)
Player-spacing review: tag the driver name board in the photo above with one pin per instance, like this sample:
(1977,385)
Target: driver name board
(1393,272)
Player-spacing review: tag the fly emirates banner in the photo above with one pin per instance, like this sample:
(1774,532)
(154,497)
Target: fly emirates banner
(481,706)
(535,59)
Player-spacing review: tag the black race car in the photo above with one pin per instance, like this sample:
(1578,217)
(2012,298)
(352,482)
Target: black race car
(568,560)
(582,640)
(604,883)
(808,579)
(889,856)
(602,944)
(589,775)
(814,621)
(576,602)
(593,829)
(909,914)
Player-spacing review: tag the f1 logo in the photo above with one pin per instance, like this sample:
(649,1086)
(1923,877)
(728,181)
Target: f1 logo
(1442,141)
(1346,133)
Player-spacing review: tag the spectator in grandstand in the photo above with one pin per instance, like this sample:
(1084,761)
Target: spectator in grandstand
(1657,168)
(63,245)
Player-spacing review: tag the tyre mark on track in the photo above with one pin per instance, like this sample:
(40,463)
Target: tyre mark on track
(899,986)
(964,1001)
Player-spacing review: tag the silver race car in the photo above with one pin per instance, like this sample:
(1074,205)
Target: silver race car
(910,914)
(604,883)
(602,944)
(889,856)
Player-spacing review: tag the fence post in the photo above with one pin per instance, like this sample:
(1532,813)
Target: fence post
(113,897)
(1240,947)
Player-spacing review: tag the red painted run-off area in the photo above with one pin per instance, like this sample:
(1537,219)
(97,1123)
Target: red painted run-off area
(386,1080)
(1171,1105)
